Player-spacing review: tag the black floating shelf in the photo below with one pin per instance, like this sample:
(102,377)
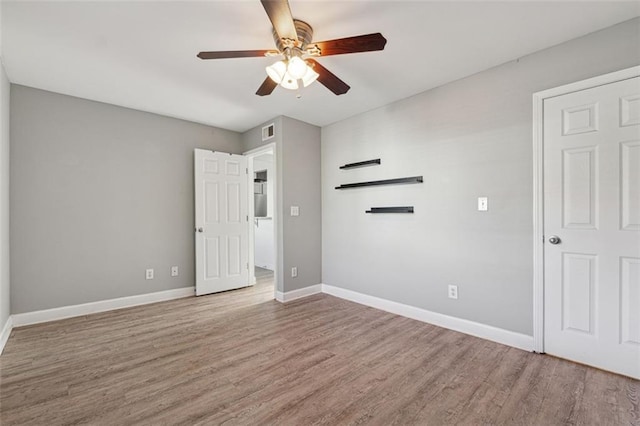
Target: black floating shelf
(406,209)
(413,179)
(361,164)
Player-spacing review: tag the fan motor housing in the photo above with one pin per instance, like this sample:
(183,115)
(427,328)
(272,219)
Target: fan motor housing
(305,35)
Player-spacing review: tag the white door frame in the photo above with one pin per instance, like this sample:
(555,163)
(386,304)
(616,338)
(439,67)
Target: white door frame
(538,187)
(264,149)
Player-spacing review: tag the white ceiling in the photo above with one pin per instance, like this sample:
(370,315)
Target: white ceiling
(142,54)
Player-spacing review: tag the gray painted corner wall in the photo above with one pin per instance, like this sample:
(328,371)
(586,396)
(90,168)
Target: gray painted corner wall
(470,138)
(5,293)
(299,184)
(99,193)
(302,187)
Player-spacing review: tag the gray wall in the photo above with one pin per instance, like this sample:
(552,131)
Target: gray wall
(468,139)
(298,171)
(99,193)
(302,187)
(5,298)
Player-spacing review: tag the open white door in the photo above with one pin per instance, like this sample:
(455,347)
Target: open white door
(592,226)
(222,227)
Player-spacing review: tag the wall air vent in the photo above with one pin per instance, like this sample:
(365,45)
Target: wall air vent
(268,132)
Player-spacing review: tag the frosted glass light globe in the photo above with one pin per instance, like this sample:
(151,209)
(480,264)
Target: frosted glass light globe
(297,68)
(309,77)
(288,82)
(277,71)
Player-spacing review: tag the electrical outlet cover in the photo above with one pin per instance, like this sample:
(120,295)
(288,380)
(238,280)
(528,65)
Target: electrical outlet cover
(453,291)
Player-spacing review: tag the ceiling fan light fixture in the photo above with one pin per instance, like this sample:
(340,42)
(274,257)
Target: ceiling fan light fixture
(280,73)
(309,77)
(293,39)
(288,82)
(296,67)
(277,71)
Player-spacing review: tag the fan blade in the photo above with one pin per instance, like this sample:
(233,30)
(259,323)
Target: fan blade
(341,46)
(280,15)
(234,54)
(267,87)
(329,79)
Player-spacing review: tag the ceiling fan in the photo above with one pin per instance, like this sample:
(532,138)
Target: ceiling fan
(293,39)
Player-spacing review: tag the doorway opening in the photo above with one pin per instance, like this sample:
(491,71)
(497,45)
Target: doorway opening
(263,209)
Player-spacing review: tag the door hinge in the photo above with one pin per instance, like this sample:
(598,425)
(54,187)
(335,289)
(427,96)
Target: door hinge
(247,266)
(247,218)
(246,171)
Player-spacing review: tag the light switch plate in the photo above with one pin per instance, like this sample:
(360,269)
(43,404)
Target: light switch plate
(483,204)
(295,211)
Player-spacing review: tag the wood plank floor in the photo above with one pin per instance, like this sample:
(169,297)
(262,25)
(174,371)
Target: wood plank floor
(242,358)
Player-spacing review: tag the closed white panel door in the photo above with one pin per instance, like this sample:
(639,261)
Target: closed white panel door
(222,229)
(592,226)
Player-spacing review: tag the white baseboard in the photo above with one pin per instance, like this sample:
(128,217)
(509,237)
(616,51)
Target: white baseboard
(297,294)
(54,314)
(495,334)
(6,332)
(505,337)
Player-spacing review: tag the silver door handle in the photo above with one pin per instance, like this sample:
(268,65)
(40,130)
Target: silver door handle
(200,230)
(554,239)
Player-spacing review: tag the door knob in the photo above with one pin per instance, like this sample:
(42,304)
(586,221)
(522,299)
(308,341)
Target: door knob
(200,230)
(554,239)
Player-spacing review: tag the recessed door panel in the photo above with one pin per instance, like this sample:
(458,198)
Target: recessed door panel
(630,184)
(630,300)
(232,168)
(212,256)
(211,166)
(211,202)
(233,202)
(578,288)
(580,119)
(630,110)
(234,256)
(579,175)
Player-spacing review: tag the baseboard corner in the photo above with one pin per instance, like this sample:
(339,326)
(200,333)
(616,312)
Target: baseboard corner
(6,332)
(483,331)
(284,297)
